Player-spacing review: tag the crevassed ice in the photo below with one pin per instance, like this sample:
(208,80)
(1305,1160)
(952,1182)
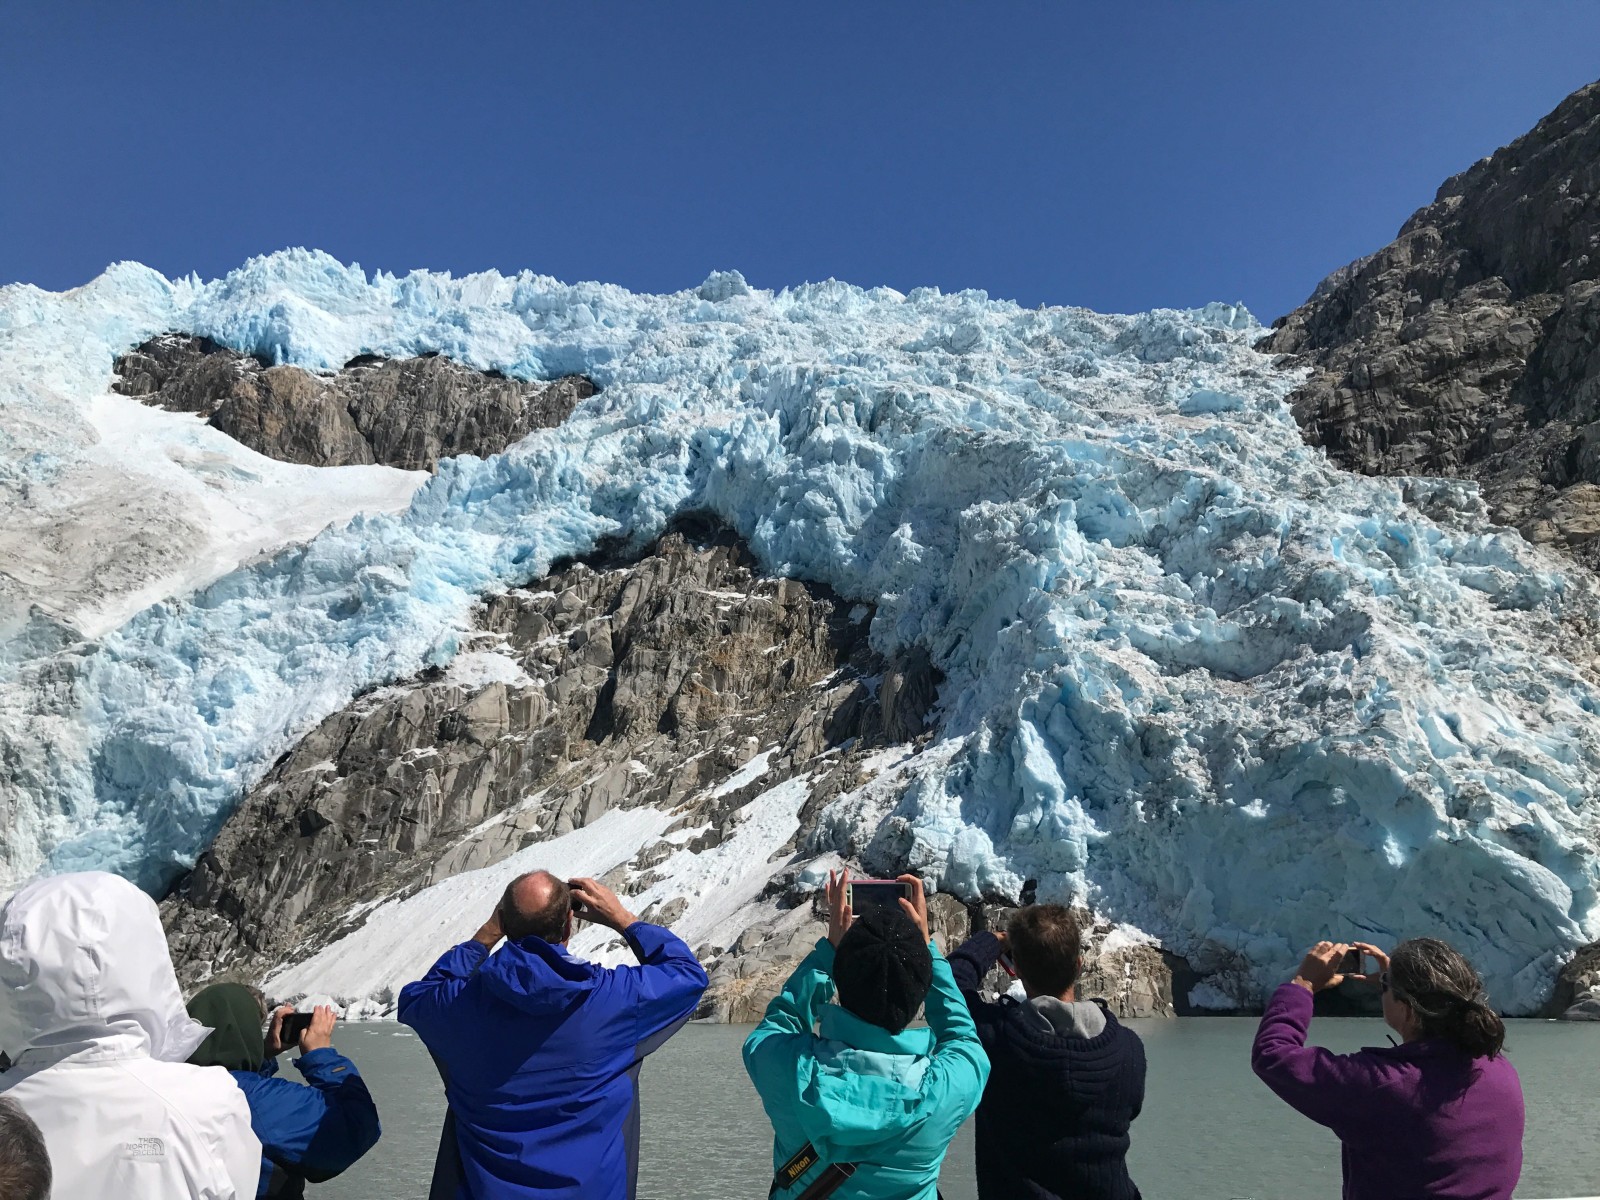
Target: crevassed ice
(1194,675)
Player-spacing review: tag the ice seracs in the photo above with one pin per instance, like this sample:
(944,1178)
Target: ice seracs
(1192,673)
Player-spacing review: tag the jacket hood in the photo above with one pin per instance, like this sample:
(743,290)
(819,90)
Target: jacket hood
(1059,1063)
(84,964)
(537,977)
(863,1087)
(235,1020)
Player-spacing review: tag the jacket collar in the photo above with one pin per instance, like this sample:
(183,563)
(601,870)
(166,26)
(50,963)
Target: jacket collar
(1426,1048)
(840,1025)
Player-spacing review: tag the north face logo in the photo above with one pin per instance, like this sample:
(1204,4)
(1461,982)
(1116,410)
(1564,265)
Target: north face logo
(150,1147)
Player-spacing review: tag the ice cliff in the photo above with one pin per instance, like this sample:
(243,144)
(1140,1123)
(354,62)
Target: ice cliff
(1194,675)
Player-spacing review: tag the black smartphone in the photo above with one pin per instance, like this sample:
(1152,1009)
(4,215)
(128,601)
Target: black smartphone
(1350,964)
(293,1025)
(864,894)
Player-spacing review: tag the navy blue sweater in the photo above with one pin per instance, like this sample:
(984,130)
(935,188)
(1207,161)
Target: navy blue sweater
(1054,1118)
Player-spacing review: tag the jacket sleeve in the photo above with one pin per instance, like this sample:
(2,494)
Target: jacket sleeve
(1317,1083)
(665,988)
(960,1067)
(774,1045)
(315,1131)
(973,960)
(424,1004)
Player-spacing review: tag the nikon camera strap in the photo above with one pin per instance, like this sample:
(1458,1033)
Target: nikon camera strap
(823,1185)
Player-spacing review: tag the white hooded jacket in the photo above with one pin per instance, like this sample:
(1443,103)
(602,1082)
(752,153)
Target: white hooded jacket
(93,1021)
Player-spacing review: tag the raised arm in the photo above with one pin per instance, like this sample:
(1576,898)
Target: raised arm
(960,1067)
(959,1061)
(666,985)
(972,962)
(423,1004)
(348,1126)
(663,991)
(1317,1083)
(317,1131)
(791,1016)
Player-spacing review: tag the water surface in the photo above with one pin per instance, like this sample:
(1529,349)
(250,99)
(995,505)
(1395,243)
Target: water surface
(1209,1131)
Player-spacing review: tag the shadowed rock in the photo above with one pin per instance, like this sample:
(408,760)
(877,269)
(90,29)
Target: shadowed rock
(401,412)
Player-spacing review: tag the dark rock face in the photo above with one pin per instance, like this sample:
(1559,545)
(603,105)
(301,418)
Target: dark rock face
(1470,345)
(406,413)
(1577,992)
(660,678)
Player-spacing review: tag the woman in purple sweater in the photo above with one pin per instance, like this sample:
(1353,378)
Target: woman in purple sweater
(1438,1116)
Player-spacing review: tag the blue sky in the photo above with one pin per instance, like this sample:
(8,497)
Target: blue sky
(1120,156)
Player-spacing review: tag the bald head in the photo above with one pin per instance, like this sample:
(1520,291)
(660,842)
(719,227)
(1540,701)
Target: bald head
(536,905)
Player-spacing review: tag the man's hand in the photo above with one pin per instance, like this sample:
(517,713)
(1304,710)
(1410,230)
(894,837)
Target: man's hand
(489,932)
(1320,967)
(319,1034)
(917,907)
(839,915)
(593,901)
(274,1045)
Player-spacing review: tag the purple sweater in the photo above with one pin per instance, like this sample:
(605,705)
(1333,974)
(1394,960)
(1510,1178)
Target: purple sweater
(1418,1120)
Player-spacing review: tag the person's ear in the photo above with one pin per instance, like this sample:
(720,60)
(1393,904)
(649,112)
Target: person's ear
(566,932)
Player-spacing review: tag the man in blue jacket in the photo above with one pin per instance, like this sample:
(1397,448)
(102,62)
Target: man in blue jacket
(540,1050)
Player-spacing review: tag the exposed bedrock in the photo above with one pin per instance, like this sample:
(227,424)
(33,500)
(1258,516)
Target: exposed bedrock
(1577,991)
(594,689)
(683,681)
(1470,345)
(400,412)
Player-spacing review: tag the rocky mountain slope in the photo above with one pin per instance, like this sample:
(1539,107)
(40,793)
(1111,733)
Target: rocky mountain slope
(1470,345)
(407,413)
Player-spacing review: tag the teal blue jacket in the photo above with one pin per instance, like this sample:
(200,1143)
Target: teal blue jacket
(888,1102)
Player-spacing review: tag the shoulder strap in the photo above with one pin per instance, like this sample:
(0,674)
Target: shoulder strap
(803,1160)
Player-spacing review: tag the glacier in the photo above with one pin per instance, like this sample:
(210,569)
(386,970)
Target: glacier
(1194,676)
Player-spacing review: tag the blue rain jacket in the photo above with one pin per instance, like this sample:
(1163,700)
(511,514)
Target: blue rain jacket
(540,1054)
(310,1132)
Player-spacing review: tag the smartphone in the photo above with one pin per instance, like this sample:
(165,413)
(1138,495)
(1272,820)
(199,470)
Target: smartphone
(1350,964)
(1007,964)
(864,894)
(294,1024)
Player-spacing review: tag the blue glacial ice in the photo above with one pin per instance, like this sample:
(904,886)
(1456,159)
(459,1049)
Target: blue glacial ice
(1195,676)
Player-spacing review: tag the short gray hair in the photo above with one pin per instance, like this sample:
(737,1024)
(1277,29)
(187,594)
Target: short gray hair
(24,1161)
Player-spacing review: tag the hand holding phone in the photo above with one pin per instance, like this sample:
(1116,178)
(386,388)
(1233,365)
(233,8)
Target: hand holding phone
(860,895)
(292,1026)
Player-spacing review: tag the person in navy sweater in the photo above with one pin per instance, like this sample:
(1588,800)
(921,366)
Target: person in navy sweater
(1066,1079)
(540,1050)
(309,1131)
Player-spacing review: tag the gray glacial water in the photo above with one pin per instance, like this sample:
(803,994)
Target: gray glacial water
(1209,1129)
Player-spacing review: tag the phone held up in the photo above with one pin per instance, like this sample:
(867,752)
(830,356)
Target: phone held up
(292,1026)
(864,894)
(1350,964)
